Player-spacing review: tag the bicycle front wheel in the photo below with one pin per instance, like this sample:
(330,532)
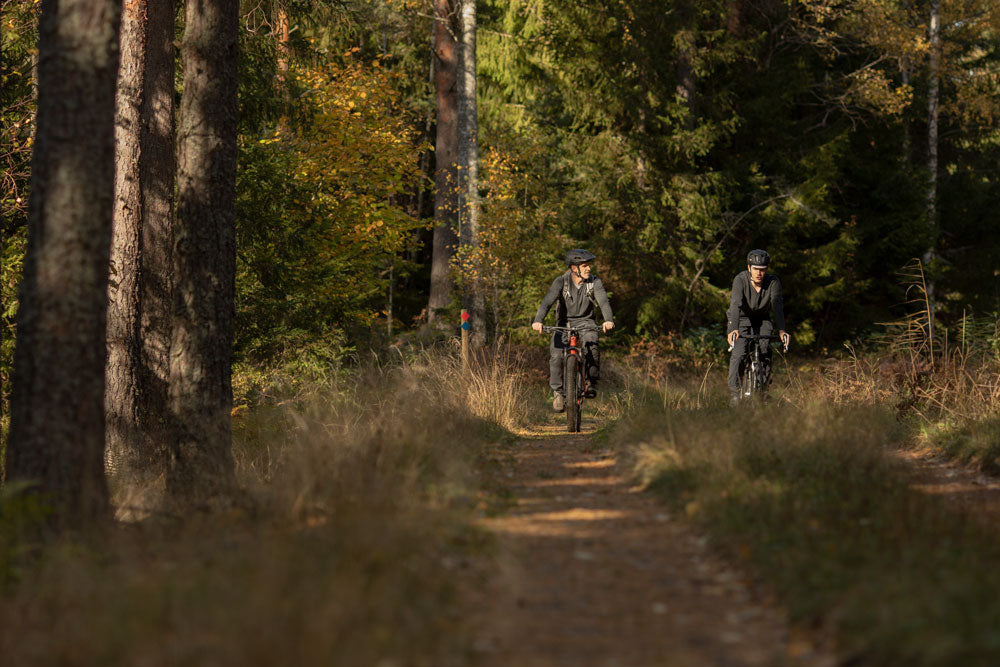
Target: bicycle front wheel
(571,380)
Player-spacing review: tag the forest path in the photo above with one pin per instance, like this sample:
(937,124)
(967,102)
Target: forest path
(597,573)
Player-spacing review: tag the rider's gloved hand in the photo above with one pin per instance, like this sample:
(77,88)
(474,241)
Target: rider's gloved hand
(537,326)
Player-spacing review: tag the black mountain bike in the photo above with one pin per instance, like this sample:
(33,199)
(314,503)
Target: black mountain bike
(753,379)
(576,376)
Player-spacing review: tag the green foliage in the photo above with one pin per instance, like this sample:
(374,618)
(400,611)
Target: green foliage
(679,154)
(318,223)
(18,33)
(668,142)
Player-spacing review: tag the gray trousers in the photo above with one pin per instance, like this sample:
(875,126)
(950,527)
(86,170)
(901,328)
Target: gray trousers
(748,327)
(588,339)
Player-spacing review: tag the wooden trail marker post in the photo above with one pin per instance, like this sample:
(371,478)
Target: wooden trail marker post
(465,339)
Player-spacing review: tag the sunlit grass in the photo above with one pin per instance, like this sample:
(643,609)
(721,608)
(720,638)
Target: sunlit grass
(807,492)
(352,547)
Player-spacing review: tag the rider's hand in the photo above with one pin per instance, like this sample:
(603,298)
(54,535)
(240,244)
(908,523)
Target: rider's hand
(608,326)
(785,338)
(733,335)
(537,326)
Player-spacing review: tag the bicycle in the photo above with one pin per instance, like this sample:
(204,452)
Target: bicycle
(753,382)
(576,376)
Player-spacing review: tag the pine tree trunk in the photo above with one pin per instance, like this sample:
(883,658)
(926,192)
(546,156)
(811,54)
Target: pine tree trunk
(201,463)
(156,176)
(934,77)
(473,298)
(121,391)
(139,294)
(57,407)
(446,158)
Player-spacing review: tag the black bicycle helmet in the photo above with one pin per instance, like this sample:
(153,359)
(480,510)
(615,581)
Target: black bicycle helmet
(579,256)
(758,258)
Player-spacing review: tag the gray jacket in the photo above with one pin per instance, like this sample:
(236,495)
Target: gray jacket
(747,303)
(576,303)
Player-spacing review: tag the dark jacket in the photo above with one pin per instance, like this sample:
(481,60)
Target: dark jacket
(747,303)
(575,305)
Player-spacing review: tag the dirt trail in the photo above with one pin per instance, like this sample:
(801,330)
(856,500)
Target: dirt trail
(596,573)
(961,486)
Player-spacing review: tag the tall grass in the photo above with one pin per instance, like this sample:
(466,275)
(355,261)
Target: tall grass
(810,497)
(358,538)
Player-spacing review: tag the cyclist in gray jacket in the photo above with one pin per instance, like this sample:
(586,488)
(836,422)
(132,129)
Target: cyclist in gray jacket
(576,291)
(756,295)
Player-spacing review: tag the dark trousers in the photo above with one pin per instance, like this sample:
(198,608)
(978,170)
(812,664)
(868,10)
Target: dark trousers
(748,327)
(588,339)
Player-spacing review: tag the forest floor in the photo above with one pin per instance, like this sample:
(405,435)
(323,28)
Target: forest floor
(597,573)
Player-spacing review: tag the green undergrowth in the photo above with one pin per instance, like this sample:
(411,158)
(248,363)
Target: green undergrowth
(355,548)
(812,499)
(968,440)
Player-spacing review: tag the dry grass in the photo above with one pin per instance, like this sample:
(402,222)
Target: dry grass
(806,491)
(364,490)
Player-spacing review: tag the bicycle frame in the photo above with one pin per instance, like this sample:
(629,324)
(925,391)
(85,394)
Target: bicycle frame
(754,383)
(575,374)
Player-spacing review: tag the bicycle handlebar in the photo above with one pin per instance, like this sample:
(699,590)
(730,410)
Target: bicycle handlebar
(548,329)
(755,337)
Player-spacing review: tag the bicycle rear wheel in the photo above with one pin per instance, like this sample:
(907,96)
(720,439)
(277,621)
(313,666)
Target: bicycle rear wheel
(571,379)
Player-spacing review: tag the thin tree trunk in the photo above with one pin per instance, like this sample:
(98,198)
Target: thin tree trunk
(446,157)
(934,77)
(473,298)
(201,463)
(283,31)
(122,374)
(139,291)
(57,407)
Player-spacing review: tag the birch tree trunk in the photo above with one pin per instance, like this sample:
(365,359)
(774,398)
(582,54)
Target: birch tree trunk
(201,463)
(57,404)
(473,299)
(445,157)
(139,295)
(933,85)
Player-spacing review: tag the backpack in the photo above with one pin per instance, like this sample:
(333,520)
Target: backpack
(565,289)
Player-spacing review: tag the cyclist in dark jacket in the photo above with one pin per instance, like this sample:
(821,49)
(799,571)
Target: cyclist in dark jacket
(575,290)
(755,297)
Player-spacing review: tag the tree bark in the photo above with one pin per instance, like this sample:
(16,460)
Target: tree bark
(473,298)
(139,292)
(121,391)
(156,176)
(201,463)
(446,158)
(57,407)
(933,85)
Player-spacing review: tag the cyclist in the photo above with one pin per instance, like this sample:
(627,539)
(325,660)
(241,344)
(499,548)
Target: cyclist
(756,295)
(575,290)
